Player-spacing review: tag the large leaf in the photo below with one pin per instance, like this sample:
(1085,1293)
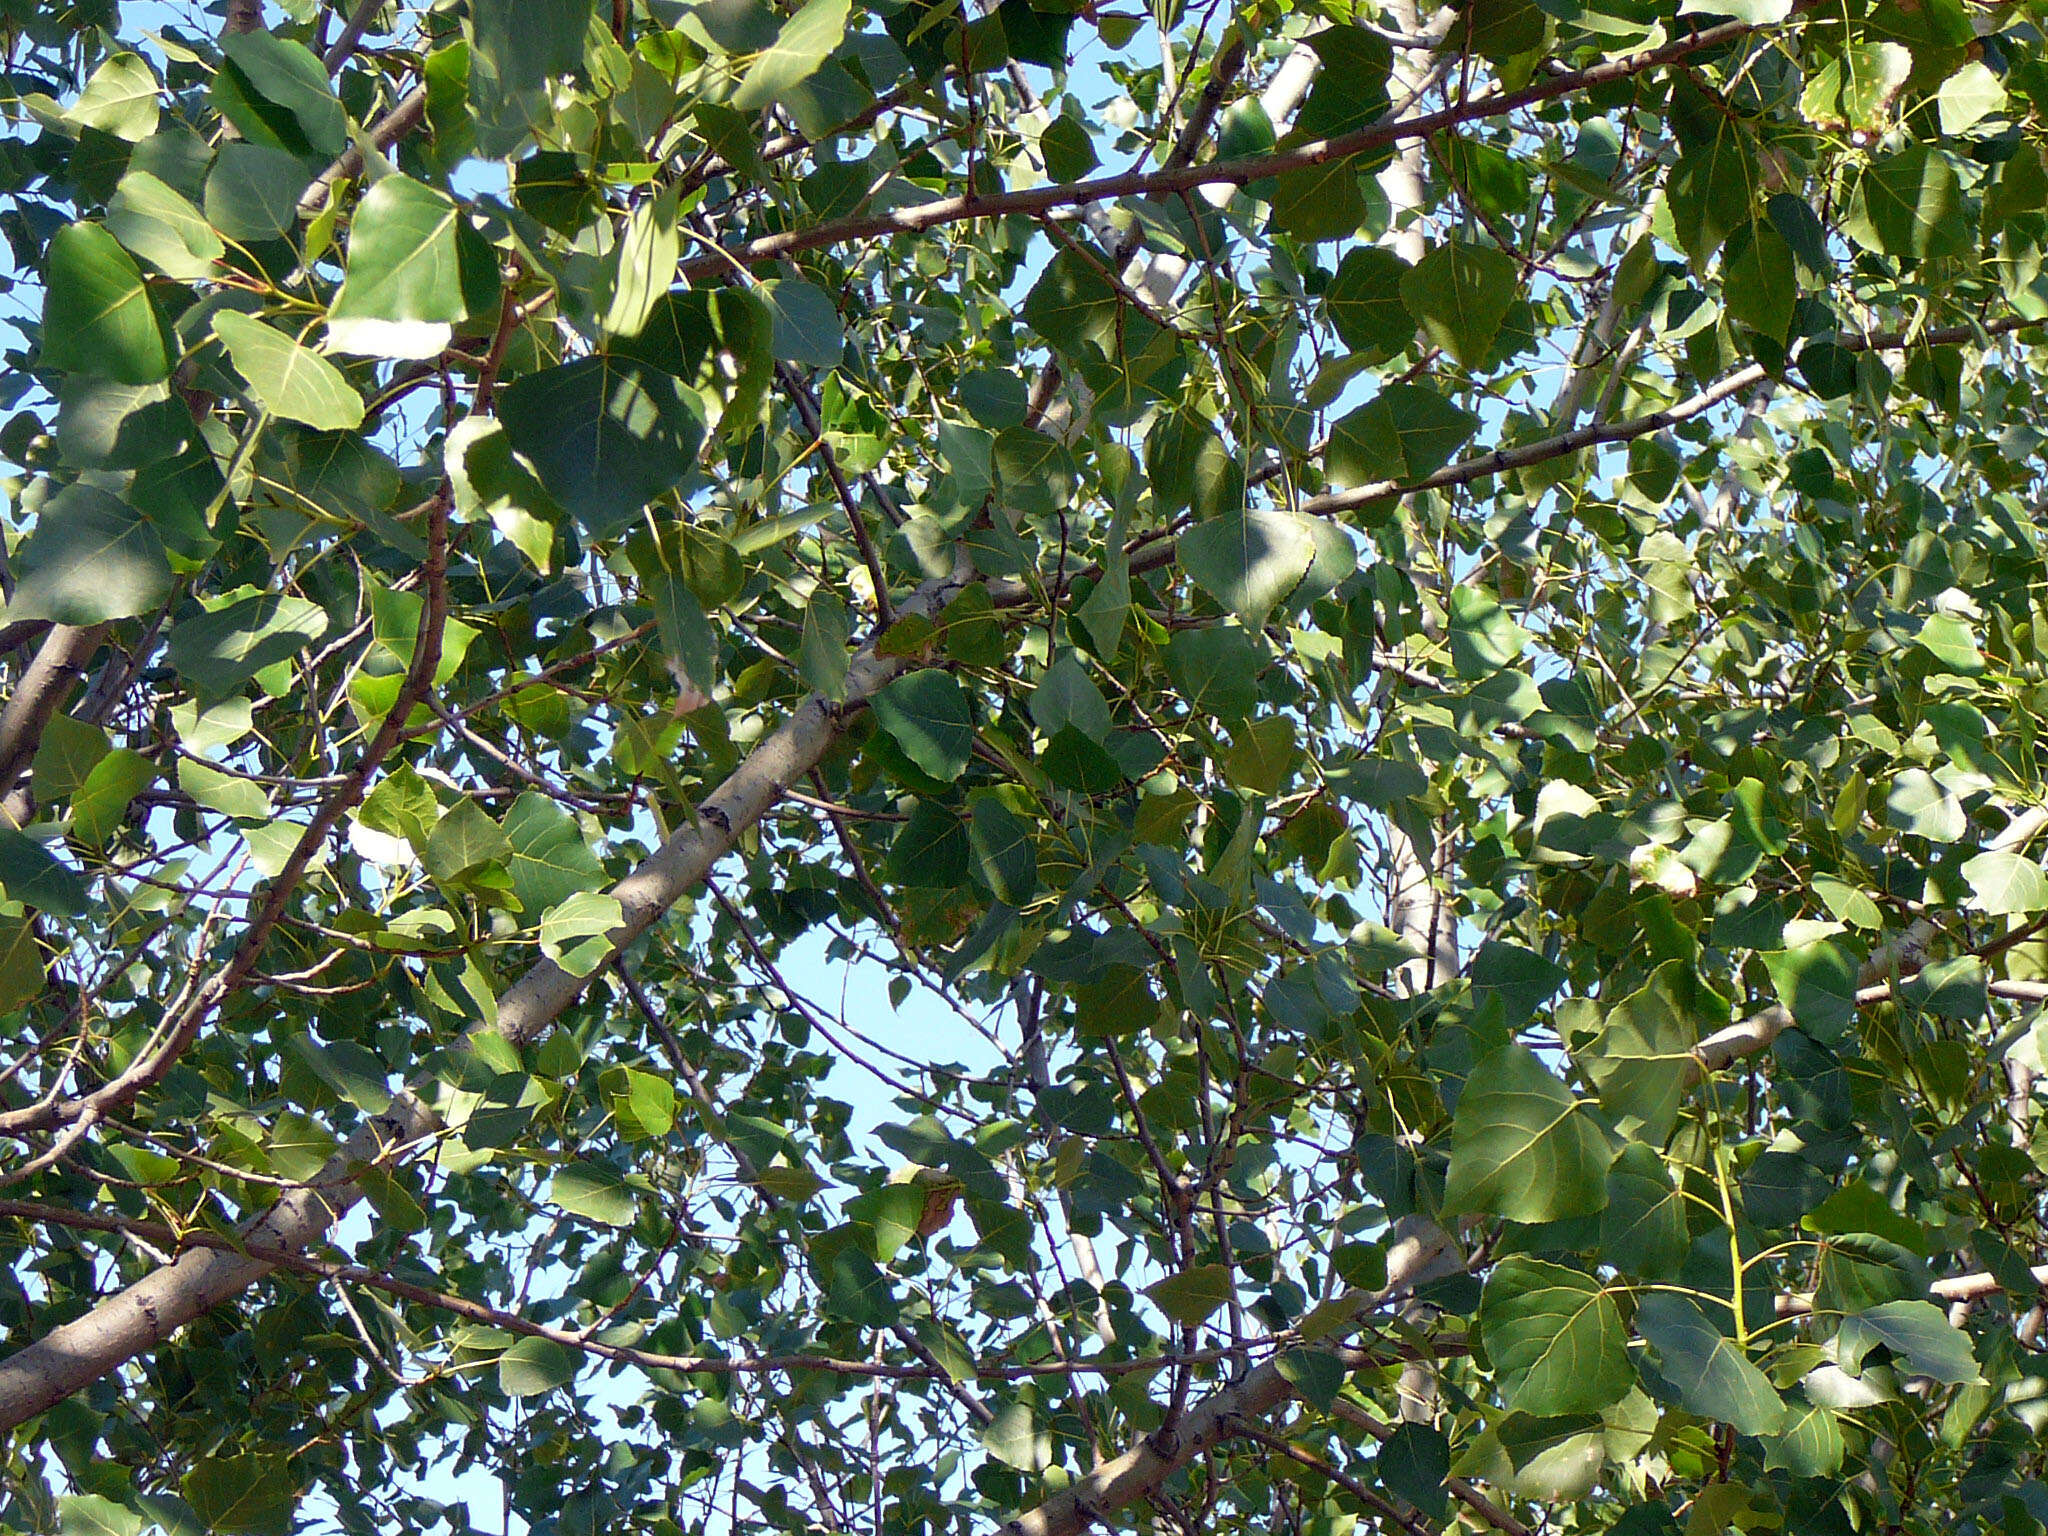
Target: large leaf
(252,1492)
(1641,1058)
(1522,1146)
(159,224)
(1249,561)
(1405,432)
(928,716)
(1914,1331)
(410,281)
(287,379)
(1713,1376)
(605,435)
(223,648)
(1556,1338)
(806,40)
(91,557)
(97,316)
(1459,294)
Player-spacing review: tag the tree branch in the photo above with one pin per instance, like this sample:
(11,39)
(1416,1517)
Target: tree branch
(1040,200)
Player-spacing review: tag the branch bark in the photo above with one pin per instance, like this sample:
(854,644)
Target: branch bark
(58,664)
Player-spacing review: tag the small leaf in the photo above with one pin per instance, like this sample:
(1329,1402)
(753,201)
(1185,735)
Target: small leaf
(576,934)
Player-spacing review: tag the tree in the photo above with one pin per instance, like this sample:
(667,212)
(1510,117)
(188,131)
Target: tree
(1432,623)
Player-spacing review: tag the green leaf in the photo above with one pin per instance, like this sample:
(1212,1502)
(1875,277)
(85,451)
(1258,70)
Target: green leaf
(641,266)
(1817,982)
(464,839)
(526,43)
(1921,804)
(91,1515)
(90,558)
(1483,636)
(1712,1375)
(1759,286)
(931,850)
(1015,1437)
(120,98)
(1967,97)
(1809,1445)
(409,280)
(253,192)
(70,750)
(1249,561)
(928,716)
(1757,13)
(1364,301)
(806,40)
(1316,1374)
(287,379)
(254,1492)
(1521,1147)
(1405,432)
(221,649)
(606,436)
(103,424)
(1911,204)
(822,655)
(1459,294)
(533,1366)
(594,1192)
(806,329)
(576,933)
(1073,306)
(1216,670)
(286,75)
(2006,885)
(1642,1230)
(687,637)
(1712,190)
(643,1105)
(1319,202)
(97,316)
(1004,847)
(1915,1332)
(99,806)
(161,226)
(1190,1296)
(1555,1338)
(1641,1058)
(1415,1463)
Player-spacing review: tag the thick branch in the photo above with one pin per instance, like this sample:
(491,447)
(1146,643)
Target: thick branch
(58,664)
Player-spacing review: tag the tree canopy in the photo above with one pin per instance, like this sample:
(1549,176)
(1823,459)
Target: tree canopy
(1414,640)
